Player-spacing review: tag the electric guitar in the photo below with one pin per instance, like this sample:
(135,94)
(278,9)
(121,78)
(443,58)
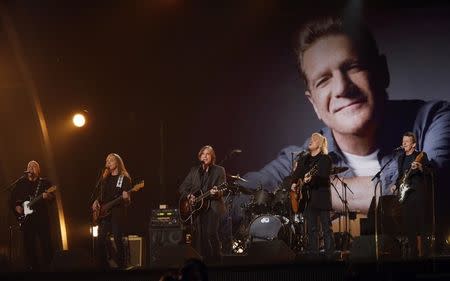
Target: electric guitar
(302,189)
(404,184)
(28,205)
(189,209)
(105,209)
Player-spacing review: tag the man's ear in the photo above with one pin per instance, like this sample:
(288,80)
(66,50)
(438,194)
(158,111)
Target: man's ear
(311,100)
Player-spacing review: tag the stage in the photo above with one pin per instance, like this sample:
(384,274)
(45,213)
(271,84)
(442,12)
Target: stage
(430,269)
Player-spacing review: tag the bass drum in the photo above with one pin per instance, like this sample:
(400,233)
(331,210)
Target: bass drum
(269,227)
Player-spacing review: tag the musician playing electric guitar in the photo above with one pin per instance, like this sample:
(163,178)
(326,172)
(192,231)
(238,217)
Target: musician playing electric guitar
(116,182)
(201,179)
(412,186)
(319,204)
(36,225)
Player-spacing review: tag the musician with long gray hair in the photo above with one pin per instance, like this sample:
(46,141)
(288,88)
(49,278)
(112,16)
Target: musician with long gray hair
(313,173)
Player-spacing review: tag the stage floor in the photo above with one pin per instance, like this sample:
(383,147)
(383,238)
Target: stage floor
(430,269)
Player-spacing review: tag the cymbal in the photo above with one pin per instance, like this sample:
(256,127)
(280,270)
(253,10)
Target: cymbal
(237,177)
(241,189)
(338,170)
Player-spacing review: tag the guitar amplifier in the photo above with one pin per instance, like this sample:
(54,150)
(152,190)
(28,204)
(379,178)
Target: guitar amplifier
(165,218)
(133,250)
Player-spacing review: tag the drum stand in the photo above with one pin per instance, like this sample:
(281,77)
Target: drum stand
(346,236)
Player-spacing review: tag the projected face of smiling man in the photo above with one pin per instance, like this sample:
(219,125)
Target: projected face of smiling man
(346,87)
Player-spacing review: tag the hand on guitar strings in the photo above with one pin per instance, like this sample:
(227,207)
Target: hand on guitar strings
(95,206)
(191,198)
(19,210)
(126,196)
(416,165)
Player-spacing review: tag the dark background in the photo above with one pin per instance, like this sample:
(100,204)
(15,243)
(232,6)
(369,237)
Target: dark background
(159,79)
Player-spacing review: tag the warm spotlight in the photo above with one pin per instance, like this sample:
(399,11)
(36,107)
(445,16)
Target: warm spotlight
(79,120)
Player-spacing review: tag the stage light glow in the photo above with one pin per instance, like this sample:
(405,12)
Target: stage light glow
(79,120)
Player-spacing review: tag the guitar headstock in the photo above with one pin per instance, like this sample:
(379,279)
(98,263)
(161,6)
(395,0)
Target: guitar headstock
(138,186)
(419,157)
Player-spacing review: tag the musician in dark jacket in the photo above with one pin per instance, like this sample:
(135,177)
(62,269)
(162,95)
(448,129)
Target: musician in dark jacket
(318,183)
(35,226)
(202,178)
(412,170)
(116,182)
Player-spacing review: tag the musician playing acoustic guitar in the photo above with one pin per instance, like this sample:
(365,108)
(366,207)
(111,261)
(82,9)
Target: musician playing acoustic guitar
(35,226)
(116,182)
(205,178)
(319,204)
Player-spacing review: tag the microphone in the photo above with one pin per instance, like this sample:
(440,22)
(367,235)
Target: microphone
(237,150)
(27,172)
(398,148)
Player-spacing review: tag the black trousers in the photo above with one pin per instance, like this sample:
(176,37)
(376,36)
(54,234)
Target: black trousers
(105,228)
(37,230)
(207,232)
(313,218)
(413,215)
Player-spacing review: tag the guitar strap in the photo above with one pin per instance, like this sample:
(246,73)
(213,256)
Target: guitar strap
(312,163)
(119,181)
(38,187)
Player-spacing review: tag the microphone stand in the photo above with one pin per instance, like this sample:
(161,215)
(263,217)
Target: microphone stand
(97,185)
(10,187)
(11,226)
(228,202)
(94,190)
(378,182)
(345,187)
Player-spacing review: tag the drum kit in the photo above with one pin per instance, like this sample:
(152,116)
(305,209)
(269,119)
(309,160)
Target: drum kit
(269,216)
(266,217)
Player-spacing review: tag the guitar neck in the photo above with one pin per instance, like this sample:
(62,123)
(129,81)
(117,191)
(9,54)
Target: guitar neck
(114,202)
(418,159)
(208,193)
(36,199)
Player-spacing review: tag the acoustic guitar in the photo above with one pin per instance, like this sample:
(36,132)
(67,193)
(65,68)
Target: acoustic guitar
(301,195)
(201,203)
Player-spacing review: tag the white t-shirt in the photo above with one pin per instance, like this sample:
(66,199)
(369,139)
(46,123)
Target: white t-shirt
(363,165)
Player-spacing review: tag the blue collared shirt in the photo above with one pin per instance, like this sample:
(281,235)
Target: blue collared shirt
(430,122)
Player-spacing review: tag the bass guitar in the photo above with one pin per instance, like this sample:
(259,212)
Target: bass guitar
(301,195)
(201,203)
(28,205)
(105,209)
(404,183)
